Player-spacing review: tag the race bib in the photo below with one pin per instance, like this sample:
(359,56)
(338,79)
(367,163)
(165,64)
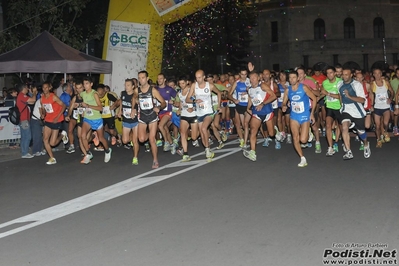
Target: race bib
(331,99)
(297,107)
(127,112)
(75,114)
(257,100)
(243,97)
(202,105)
(214,100)
(48,107)
(81,110)
(274,104)
(88,112)
(146,104)
(106,110)
(381,97)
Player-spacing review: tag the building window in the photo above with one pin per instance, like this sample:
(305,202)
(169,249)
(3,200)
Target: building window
(349,28)
(379,28)
(274,31)
(319,29)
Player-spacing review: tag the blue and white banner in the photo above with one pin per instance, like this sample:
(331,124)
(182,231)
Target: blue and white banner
(127,49)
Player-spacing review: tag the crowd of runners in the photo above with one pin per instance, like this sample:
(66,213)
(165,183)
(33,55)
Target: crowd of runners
(296,106)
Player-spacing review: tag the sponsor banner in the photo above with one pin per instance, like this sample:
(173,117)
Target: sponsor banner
(7,129)
(127,49)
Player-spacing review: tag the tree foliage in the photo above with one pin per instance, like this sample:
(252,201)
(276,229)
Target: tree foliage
(74,22)
(221,29)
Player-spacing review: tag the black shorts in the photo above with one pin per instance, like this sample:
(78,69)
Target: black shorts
(359,122)
(110,122)
(232,112)
(241,109)
(275,112)
(189,120)
(55,126)
(334,114)
(148,119)
(380,112)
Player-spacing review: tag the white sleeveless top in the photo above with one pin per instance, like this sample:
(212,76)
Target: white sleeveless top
(205,94)
(185,106)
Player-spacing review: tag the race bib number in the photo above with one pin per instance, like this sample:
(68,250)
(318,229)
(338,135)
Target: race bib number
(214,100)
(75,114)
(106,110)
(297,107)
(274,104)
(243,97)
(88,112)
(146,104)
(331,99)
(381,98)
(127,112)
(48,107)
(202,105)
(81,110)
(257,100)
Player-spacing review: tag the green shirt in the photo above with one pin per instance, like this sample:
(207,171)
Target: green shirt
(395,84)
(332,88)
(89,99)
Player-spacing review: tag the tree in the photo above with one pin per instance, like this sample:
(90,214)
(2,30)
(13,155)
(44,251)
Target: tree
(222,28)
(74,22)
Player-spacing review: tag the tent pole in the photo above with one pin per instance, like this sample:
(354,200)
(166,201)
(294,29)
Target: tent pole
(65,80)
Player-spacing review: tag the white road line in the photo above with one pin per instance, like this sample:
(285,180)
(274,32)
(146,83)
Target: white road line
(105,194)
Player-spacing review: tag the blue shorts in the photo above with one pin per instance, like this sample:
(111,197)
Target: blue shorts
(200,119)
(94,124)
(129,125)
(300,118)
(175,119)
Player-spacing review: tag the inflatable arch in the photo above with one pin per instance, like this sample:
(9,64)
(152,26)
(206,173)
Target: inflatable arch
(156,14)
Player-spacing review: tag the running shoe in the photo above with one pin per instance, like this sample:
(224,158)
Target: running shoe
(367,151)
(99,148)
(86,159)
(333,135)
(289,139)
(278,134)
(221,145)
(242,143)
(266,142)
(180,151)
(159,143)
(251,155)
(166,146)
(310,144)
(386,137)
(27,156)
(344,147)
(173,148)
(65,138)
(71,149)
(303,162)
(209,154)
(195,143)
(348,155)
(51,161)
(379,144)
(277,146)
(37,154)
(330,152)
(336,147)
(107,156)
(223,135)
(135,161)
(361,146)
(210,141)
(186,158)
(155,165)
(395,131)
(311,136)
(318,148)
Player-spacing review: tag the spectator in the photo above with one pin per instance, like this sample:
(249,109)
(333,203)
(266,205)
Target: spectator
(22,103)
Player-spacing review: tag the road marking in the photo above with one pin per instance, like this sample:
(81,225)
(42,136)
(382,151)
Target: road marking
(107,193)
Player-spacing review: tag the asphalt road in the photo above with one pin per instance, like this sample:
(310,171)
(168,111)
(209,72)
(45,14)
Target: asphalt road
(228,212)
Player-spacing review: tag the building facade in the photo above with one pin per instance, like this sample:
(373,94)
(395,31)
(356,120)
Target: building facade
(355,33)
